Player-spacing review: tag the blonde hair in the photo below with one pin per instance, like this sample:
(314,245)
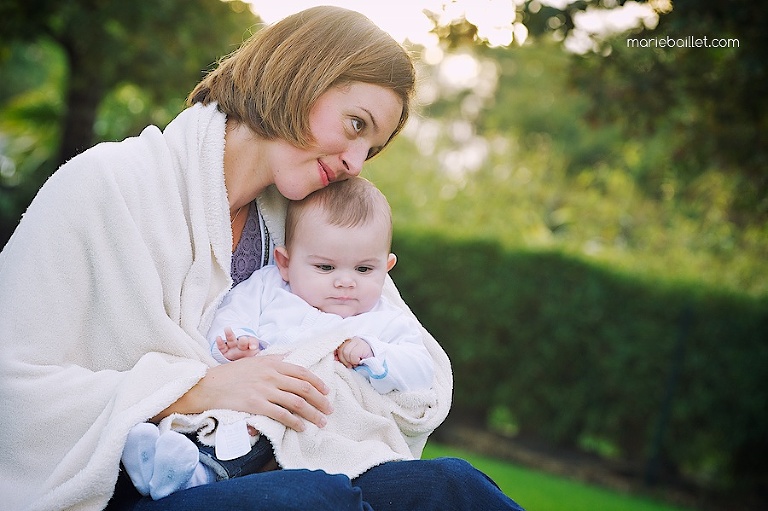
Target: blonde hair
(354,201)
(272,81)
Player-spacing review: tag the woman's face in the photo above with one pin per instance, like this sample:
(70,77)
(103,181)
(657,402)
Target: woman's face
(348,124)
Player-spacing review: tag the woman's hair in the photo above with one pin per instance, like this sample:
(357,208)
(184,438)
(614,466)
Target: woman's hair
(354,201)
(272,81)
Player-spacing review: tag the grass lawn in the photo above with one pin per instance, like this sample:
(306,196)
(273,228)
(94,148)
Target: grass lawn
(538,491)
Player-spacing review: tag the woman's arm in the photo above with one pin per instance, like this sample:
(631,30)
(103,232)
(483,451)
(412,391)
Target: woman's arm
(264,385)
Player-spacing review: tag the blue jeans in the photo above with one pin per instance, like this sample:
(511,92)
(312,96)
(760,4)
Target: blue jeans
(443,484)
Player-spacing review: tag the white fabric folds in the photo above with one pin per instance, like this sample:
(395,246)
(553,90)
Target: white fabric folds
(107,289)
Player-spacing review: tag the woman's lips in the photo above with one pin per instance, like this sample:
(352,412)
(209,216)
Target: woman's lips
(326,174)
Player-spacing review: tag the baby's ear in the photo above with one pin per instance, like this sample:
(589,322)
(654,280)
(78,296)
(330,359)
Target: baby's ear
(391,261)
(281,258)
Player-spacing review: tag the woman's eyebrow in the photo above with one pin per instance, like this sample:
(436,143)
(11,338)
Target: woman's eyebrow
(373,119)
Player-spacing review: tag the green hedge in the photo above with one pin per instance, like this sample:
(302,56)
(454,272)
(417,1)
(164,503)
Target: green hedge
(577,351)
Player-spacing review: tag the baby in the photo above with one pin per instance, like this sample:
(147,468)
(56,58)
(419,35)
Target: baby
(329,274)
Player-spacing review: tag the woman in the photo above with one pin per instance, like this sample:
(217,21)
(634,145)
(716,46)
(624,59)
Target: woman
(112,277)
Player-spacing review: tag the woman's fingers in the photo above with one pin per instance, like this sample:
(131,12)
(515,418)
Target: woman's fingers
(263,385)
(280,390)
(300,393)
(304,394)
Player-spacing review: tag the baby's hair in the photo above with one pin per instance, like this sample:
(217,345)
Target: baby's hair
(347,203)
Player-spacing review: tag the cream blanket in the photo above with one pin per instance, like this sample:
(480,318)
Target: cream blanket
(107,288)
(365,429)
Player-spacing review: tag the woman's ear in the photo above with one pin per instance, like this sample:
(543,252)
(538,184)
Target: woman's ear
(281,258)
(391,260)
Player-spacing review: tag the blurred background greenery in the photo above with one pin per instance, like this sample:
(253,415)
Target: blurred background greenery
(581,223)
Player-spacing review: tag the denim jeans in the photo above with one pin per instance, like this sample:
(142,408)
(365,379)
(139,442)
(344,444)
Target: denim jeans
(443,484)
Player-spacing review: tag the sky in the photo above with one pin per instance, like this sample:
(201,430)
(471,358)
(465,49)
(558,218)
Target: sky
(405,19)
(495,19)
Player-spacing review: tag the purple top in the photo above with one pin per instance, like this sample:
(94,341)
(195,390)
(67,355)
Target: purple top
(249,254)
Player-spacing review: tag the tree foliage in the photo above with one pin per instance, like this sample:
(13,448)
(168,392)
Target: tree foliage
(515,160)
(711,102)
(554,348)
(161,47)
(82,71)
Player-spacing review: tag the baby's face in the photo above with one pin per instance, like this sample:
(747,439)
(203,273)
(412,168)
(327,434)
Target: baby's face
(340,270)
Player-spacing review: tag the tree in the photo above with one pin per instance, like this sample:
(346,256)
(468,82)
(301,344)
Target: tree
(710,97)
(162,47)
(709,103)
(60,60)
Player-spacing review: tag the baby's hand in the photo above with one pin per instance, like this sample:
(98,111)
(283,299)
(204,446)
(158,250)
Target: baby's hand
(353,351)
(234,348)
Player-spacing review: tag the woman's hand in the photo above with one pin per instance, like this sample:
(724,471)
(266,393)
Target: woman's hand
(263,385)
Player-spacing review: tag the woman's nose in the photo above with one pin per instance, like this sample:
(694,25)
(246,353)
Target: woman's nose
(354,158)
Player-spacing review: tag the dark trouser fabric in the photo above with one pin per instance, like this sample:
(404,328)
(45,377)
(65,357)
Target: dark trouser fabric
(443,484)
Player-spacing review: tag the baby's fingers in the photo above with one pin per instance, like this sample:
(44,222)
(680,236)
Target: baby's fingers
(230,334)
(247,343)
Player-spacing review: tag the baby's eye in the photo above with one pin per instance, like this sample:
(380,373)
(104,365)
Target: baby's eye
(324,267)
(364,269)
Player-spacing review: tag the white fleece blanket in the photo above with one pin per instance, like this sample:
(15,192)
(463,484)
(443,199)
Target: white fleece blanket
(107,288)
(365,429)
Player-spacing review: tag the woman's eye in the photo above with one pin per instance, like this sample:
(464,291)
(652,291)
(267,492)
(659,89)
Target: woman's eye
(373,151)
(358,125)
